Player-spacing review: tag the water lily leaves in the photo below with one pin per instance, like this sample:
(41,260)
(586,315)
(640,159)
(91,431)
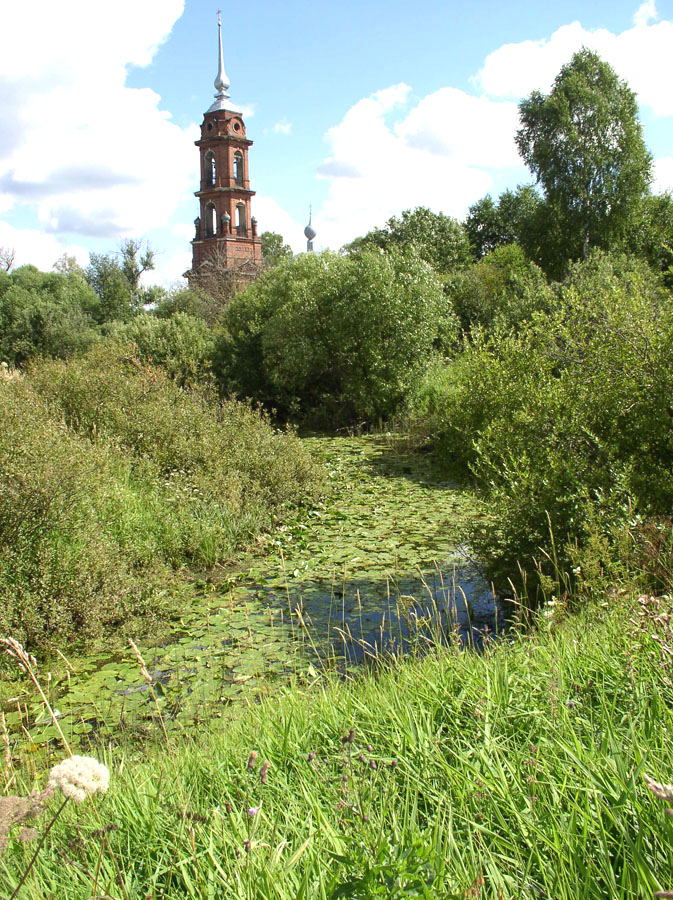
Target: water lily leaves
(344,578)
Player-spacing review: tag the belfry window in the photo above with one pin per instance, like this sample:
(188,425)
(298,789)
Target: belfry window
(211,220)
(238,167)
(210,173)
(241,227)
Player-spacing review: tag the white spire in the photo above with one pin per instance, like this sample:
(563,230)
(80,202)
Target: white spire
(222,81)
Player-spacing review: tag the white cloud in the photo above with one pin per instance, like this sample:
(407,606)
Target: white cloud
(641,55)
(89,154)
(442,153)
(451,147)
(37,248)
(169,267)
(473,131)
(645,13)
(283,127)
(183,231)
(272,217)
(663,175)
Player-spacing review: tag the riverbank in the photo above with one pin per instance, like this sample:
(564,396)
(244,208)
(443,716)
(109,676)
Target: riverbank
(516,773)
(369,570)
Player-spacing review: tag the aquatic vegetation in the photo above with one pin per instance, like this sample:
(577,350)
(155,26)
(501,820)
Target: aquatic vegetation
(374,567)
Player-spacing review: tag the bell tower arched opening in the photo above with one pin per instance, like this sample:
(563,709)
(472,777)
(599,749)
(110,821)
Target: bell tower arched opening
(238,167)
(210,170)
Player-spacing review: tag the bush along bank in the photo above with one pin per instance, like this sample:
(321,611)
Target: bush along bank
(115,482)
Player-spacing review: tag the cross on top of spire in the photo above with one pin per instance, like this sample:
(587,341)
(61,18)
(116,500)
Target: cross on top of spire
(222,100)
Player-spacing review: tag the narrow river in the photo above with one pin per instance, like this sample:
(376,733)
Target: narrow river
(375,569)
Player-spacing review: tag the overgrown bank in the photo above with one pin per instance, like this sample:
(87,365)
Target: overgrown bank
(516,774)
(116,484)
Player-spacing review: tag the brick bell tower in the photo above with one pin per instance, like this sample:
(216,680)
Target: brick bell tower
(225,227)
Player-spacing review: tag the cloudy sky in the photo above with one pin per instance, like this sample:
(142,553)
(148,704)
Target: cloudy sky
(361,108)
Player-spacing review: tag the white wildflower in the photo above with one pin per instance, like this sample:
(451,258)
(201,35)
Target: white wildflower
(79,777)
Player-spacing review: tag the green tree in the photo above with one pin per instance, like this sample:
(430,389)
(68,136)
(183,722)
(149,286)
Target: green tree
(107,278)
(504,289)
(583,142)
(273,248)
(181,344)
(334,339)
(651,234)
(45,314)
(116,280)
(515,218)
(68,264)
(438,239)
(135,261)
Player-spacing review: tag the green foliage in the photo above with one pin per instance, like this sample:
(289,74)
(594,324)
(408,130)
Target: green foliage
(514,219)
(566,425)
(228,448)
(182,344)
(515,773)
(135,261)
(273,248)
(72,532)
(113,476)
(334,339)
(651,234)
(116,280)
(192,301)
(584,144)
(106,277)
(45,314)
(503,290)
(438,239)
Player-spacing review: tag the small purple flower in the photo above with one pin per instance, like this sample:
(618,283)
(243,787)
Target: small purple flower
(311,756)
(369,748)
(571,703)
(361,757)
(252,811)
(393,763)
(372,763)
(252,759)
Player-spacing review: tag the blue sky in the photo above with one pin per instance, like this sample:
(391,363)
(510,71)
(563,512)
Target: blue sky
(362,109)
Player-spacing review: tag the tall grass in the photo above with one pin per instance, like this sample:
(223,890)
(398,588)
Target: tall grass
(113,478)
(514,774)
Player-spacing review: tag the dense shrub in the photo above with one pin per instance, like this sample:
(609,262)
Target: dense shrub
(193,301)
(335,340)
(75,528)
(111,476)
(182,344)
(438,239)
(567,425)
(45,314)
(228,448)
(503,289)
